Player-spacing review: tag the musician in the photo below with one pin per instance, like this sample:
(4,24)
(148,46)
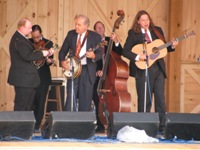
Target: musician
(44,73)
(156,72)
(23,75)
(100,29)
(83,85)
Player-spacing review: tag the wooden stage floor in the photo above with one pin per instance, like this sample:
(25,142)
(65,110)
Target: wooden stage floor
(92,146)
(52,145)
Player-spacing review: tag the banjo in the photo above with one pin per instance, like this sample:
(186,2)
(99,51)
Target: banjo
(77,63)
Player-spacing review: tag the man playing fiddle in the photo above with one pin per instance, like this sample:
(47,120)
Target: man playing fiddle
(44,73)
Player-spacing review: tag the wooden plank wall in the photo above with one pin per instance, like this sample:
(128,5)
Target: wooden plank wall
(190,85)
(57,17)
(184,18)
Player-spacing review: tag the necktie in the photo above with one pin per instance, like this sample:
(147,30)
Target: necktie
(78,47)
(147,36)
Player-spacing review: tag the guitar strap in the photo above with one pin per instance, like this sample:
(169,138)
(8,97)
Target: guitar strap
(86,35)
(160,36)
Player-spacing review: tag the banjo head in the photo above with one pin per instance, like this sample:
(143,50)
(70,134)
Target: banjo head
(77,68)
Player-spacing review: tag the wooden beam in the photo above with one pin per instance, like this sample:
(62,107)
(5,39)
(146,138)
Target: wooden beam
(196,109)
(182,96)
(193,74)
(60,31)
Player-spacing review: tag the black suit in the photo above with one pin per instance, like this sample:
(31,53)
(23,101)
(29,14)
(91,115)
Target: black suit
(83,85)
(42,89)
(22,74)
(118,49)
(156,75)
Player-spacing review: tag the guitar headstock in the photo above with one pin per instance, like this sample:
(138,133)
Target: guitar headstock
(190,34)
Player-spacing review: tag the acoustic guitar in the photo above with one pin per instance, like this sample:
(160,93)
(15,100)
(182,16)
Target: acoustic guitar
(155,50)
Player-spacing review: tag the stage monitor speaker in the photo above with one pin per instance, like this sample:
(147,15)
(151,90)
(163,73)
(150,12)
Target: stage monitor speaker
(16,124)
(183,125)
(79,125)
(143,121)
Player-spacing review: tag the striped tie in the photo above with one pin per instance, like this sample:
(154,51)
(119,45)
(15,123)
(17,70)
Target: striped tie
(78,47)
(147,37)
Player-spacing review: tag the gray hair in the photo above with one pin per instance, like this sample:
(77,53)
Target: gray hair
(87,20)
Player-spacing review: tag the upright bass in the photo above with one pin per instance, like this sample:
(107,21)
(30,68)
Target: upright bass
(112,86)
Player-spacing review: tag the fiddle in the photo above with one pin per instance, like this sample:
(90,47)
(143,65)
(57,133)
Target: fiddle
(41,45)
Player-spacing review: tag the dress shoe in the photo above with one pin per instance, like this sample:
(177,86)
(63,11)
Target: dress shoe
(100,129)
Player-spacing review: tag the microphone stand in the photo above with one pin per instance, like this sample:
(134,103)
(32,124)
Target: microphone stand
(146,70)
(72,80)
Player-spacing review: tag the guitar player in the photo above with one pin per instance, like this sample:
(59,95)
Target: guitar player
(156,72)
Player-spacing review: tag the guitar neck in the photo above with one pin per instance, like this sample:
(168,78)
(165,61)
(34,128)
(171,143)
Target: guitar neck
(170,43)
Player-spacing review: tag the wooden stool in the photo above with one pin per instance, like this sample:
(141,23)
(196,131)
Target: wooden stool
(57,82)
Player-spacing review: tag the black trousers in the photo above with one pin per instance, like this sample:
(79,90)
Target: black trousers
(39,103)
(83,89)
(156,86)
(24,97)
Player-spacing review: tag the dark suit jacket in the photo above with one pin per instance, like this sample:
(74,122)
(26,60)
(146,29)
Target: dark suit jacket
(93,40)
(22,72)
(117,49)
(44,71)
(137,38)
